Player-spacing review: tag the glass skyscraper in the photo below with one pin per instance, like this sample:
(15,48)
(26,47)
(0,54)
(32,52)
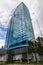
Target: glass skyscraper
(20,28)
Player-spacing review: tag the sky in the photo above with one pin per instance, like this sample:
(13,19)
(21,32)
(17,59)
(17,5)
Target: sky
(7,8)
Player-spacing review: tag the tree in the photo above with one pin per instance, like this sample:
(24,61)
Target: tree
(31,47)
(39,47)
(39,41)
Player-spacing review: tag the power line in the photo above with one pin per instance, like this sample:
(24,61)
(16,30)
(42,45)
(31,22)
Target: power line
(39,28)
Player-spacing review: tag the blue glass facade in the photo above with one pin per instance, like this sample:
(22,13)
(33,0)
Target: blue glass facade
(19,28)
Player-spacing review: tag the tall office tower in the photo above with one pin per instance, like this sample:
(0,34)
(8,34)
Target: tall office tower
(20,31)
(20,28)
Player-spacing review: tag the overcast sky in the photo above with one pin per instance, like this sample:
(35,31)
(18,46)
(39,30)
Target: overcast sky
(6,10)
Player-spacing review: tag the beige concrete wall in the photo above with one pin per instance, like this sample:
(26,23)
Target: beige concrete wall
(3,57)
(17,57)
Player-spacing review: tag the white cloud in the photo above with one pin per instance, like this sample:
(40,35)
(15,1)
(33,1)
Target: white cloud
(2,42)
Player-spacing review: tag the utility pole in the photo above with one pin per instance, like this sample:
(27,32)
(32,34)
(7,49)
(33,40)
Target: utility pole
(27,52)
(40,32)
(39,28)
(35,52)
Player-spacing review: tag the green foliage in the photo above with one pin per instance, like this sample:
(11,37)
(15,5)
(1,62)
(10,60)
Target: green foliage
(31,43)
(31,47)
(37,44)
(40,50)
(38,41)
(31,50)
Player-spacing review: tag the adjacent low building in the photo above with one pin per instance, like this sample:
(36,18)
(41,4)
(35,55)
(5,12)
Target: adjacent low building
(3,55)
